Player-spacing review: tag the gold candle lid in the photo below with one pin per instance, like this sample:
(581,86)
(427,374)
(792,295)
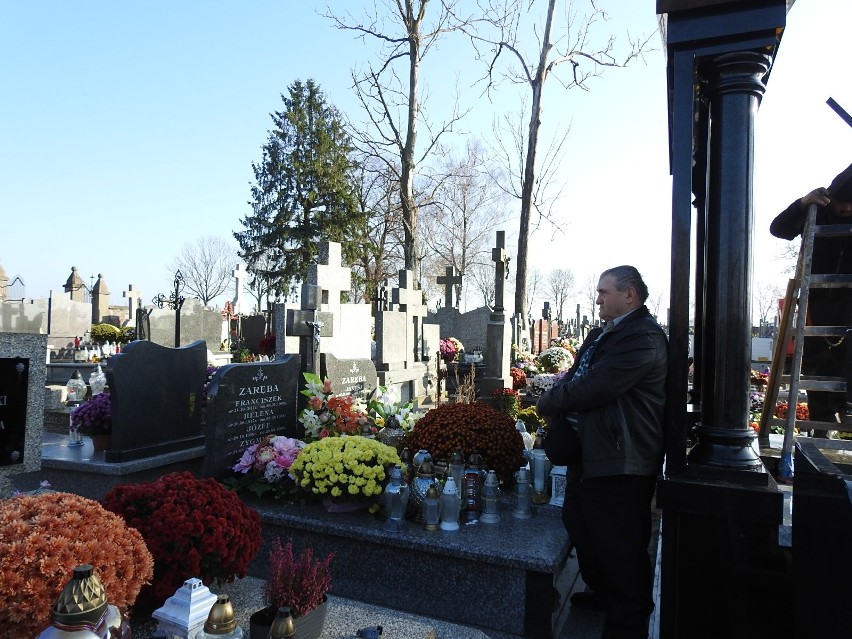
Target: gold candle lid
(83,601)
(221,619)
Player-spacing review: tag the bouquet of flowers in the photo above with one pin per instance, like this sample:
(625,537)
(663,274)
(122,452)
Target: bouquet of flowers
(527,363)
(193,528)
(344,467)
(43,537)
(264,467)
(507,400)
(326,415)
(555,359)
(568,343)
(386,403)
(450,349)
(519,377)
(94,416)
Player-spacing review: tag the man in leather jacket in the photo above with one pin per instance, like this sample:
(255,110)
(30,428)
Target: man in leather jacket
(609,410)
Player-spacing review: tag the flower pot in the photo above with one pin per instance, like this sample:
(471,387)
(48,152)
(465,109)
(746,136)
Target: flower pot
(308,626)
(102,441)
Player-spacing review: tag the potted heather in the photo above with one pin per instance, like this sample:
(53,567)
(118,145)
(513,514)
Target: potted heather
(298,582)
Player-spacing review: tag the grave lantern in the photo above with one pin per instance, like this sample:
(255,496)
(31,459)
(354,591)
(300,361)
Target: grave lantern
(221,621)
(284,627)
(540,467)
(396,500)
(450,506)
(558,477)
(490,499)
(184,613)
(76,389)
(81,610)
(523,490)
(457,466)
(432,508)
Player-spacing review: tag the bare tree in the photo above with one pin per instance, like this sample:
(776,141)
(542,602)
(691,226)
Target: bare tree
(481,278)
(766,298)
(558,285)
(535,282)
(206,266)
(590,292)
(588,57)
(653,303)
(465,208)
(390,92)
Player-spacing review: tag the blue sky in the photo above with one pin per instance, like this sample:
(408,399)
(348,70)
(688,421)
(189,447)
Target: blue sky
(129,129)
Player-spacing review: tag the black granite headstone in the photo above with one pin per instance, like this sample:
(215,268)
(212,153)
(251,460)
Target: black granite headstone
(356,377)
(246,402)
(253,330)
(14,374)
(156,399)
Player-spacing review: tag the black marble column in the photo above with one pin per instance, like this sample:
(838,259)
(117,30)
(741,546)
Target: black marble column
(733,83)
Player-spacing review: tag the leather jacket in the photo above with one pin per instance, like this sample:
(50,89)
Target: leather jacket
(619,403)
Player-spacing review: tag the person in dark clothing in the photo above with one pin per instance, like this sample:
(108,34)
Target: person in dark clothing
(606,423)
(826,306)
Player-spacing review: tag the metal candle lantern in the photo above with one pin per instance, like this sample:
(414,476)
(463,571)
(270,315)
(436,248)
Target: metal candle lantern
(450,506)
(523,495)
(472,495)
(419,485)
(420,456)
(284,627)
(540,466)
(457,466)
(490,499)
(432,508)
(396,500)
(76,389)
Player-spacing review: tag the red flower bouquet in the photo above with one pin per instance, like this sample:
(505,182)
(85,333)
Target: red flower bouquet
(193,528)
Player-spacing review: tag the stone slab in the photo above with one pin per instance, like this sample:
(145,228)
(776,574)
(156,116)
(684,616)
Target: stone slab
(356,377)
(485,575)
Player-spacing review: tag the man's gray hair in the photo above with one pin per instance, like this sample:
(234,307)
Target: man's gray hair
(625,277)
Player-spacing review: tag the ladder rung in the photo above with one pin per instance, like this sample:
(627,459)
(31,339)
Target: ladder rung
(818,385)
(806,424)
(832,230)
(826,331)
(831,281)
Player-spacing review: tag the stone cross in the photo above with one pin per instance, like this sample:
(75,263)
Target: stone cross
(498,255)
(332,278)
(410,300)
(134,298)
(449,280)
(240,275)
(310,325)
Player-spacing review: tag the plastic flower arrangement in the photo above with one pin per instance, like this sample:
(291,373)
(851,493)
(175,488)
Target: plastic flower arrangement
(471,427)
(802,412)
(43,537)
(527,363)
(568,343)
(386,402)
(326,415)
(94,416)
(450,349)
(555,359)
(193,528)
(264,468)
(344,467)
(300,582)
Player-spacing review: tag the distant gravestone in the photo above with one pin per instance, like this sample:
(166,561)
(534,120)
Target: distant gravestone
(246,402)
(156,399)
(253,329)
(355,377)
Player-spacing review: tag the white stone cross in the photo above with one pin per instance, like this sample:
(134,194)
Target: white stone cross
(332,278)
(134,298)
(240,274)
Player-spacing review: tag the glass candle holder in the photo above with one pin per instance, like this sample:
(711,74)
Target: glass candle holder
(490,499)
(450,506)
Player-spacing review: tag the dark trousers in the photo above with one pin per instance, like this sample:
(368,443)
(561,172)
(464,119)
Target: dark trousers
(609,522)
